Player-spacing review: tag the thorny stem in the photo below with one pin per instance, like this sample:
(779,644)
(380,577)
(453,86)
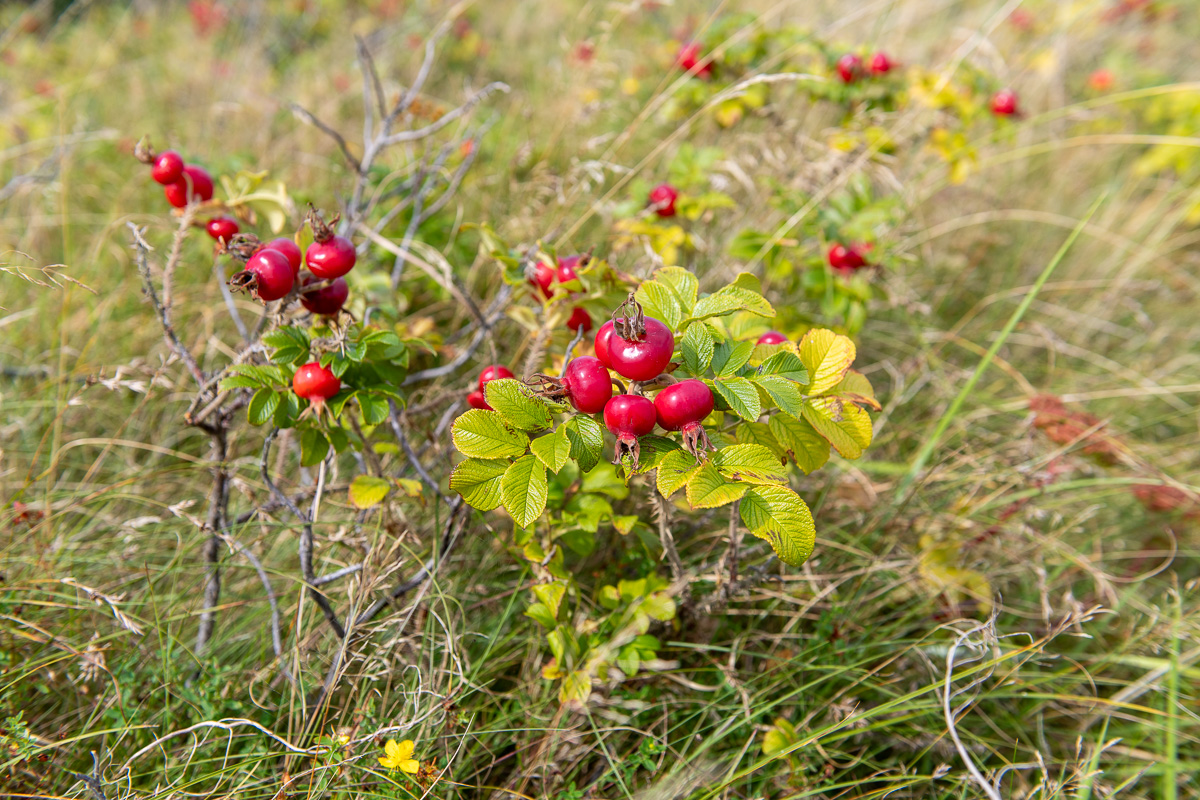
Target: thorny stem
(663,514)
(306,537)
(142,250)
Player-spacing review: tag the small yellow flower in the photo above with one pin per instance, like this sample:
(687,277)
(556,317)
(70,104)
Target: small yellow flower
(399,756)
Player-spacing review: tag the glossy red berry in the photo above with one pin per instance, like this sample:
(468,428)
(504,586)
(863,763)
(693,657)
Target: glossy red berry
(580,318)
(847,259)
(603,339)
(476,400)
(646,359)
(326,300)
(689,56)
(588,384)
(683,403)
(567,267)
(1004,103)
(167,167)
(543,277)
(273,273)
(195,182)
(662,199)
(222,228)
(492,373)
(880,64)
(849,68)
(772,337)
(629,415)
(315,383)
(289,249)
(331,258)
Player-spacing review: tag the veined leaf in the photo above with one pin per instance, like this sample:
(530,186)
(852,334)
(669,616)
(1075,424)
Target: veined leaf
(262,406)
(653,450)
(659,301)
(741,396)
(708,488)
(524,490)
(697,348)
(760,433)
(485,434)
(367,491)
(587,441)
(845,425)
(784,392)
(786,364)
(512,400)
(675,470)
(857,389)
(683,283)
(752,463)
(808,449)
(553,449)
(478,481)
(826,356)
(778,515)
(730,299)
(729,357)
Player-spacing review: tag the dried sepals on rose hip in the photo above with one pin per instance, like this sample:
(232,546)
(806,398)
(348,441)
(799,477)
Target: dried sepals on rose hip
(316,384)
(268,276)
(637,347)
(585,384)
(629,417)
(330,255)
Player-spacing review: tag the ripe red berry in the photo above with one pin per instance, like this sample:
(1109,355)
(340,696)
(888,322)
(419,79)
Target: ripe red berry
(682,404)
(289,249)
(603,339)
(331,258)
(273,275)
(689,56)
(567,267)
(580,318)
(772,337)
(1004,103)
(315,383)
(543,277)
(645,359)
(847,259)
(880,64)
(492,373)
(662,199)
(476,400)
(629,415)
(195,183)
(326,300)
(222,228)
(588,384)
(167,168)
(849,67)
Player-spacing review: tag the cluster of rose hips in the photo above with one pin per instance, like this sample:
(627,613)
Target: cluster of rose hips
(849,258)
(185,183)
(545,276)
(850,67)
(689,56)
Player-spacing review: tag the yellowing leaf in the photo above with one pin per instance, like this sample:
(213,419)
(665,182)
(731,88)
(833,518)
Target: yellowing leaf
(675,470)
(478,481)
(826,356)
(707,488)
(752,463)
(367,491)
(778,515)
(513,400)
(485,434)
(845,425)
(524,489)
(808,449)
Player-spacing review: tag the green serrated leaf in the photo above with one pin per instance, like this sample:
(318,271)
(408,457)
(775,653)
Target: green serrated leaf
(826,356)
(239,382)
(777,515)
(485,434)
(262,406)
(553,449)
(515,402)
(729,357)
(524,490)
(675,470)
(604,480)
(741,396)
(786,365)
(478,481)
(785,393)
(708,488)
(313,447)
(374,407)
(808,449)
(845,425)
(587,441)
(289,410)
(752,463)
(653,450)
(367,491)
(759,433)
(729,300)
(683,283)
(697,347)
(659,301)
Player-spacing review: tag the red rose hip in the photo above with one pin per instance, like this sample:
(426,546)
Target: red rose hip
(847,259)
(1004,103)
(662,199)
(289,249)
(492,373)
(543,278)
(271,276)
(772,337)
(326,300)
(167,167)
(689,56)
(588,385)
(567,267)
(476,400)
(331,258)
(603,338)
(683,403)
(880,64)
(580,318)
(646,358)
(315,383)
(849,68)
(222,228)
(628,415)
(195,184)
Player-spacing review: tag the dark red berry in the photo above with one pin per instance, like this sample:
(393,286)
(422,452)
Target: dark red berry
(326,300)
(492,373)
(683,403)
(315,383)
(332,258)
(1004,103)
(629,415)
(543,277)
(689,56)
(272,273)
(167,168)
(195,183)
(588,384)
(567,267)
(880,64)
(772,337)
(222,228)
(645,359)
(290,249)
(849,68)
(603,337)
(476,400)
(847,259)
(580,318)
(662,199)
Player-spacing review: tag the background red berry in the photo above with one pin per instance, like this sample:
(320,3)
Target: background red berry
(167,168)
(603,337)
(880,64)
(332,258)
(849,67)
(476,400)
(663,198)
(580,318)
(326,300)
(492,373)
(1004,103)
(195,182)
(543,277)
(772,337)
(289,249)
(222,228)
